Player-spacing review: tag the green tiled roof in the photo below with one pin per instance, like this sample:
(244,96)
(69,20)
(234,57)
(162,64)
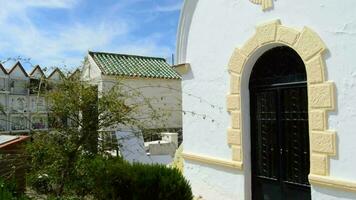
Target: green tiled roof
(132,65)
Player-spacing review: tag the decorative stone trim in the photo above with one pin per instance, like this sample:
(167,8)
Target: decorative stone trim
(266,4)
(214,161)
(321,93)
(234,137)
(319,164)
(332,182)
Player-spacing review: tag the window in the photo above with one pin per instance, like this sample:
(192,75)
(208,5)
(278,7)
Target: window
(19,86)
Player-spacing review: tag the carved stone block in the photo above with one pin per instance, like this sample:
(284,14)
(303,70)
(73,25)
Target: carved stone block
(236,153)
(237,61)
(233,136)
(315,70)
(323,142)
(309,44)
(234,84)
(250,46)
(317,120)
(321,96)
(267,32)
(233,102)
(287,35)
(235,119)
(319,164)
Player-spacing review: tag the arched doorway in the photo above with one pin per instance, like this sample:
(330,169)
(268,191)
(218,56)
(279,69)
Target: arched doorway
(279,127)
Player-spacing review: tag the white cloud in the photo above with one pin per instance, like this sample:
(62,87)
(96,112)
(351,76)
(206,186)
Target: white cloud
(67,44)
(169,8)
(18,7)
(50,3)
(53,47)
(21,4)
(145,48)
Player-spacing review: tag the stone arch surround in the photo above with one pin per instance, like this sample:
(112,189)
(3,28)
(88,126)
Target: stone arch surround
(321,93)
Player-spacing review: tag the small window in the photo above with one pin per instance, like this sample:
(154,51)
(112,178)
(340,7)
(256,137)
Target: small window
(19,86)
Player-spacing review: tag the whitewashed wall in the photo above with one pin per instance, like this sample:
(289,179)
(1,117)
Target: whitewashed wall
(209,32)
(163,94)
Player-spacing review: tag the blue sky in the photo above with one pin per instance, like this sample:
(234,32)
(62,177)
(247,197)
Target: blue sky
(60,32)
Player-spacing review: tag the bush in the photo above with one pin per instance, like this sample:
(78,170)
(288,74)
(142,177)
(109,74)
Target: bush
(160,182)
(41,183)
(113,178)
(8,191)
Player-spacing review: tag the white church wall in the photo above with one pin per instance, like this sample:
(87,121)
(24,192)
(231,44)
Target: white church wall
(217,27)
(206,185)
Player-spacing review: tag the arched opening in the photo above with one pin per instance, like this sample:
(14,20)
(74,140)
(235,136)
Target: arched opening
(279,126)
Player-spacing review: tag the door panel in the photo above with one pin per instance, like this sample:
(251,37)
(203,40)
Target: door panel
(267,143)
(280,143)
(294,119)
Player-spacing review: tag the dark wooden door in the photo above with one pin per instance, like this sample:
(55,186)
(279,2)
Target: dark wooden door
(280,142)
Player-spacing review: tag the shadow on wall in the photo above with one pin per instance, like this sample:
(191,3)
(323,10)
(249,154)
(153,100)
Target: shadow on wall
(331,194)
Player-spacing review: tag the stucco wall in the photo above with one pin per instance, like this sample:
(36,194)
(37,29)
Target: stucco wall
(163,94)
(207,43)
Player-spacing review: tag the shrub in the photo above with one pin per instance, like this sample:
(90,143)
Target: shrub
(160,182)
(5,191)
(113,178)
(41,183)
(8,191)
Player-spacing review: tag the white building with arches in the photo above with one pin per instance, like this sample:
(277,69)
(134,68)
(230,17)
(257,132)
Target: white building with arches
(269,92)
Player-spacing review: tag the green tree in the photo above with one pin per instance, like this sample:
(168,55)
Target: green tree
(77,112)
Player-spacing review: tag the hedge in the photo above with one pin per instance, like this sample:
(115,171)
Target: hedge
(113,178)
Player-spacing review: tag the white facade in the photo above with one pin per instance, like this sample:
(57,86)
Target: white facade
(24,110)
(163,94)
(209,32)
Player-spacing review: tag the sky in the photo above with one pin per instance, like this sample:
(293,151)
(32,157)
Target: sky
(60,32)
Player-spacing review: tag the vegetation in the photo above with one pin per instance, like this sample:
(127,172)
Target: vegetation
(67,163)
(113,178)
(8,191)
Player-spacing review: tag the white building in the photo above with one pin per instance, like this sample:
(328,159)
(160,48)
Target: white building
(272,87)
(24,110)
(152,78)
